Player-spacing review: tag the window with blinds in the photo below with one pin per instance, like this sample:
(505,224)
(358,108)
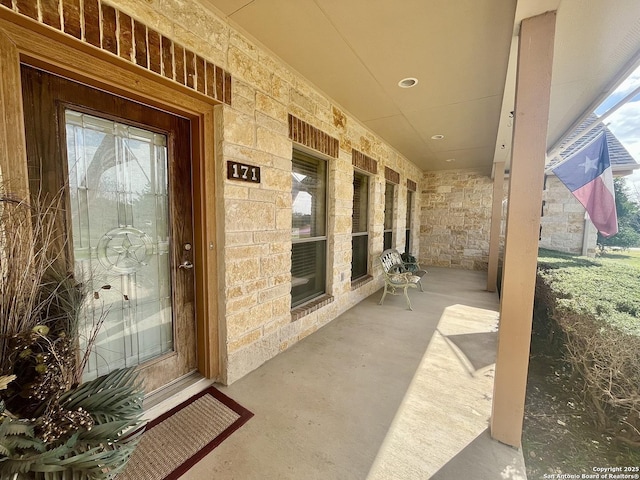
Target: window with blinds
(388,215)
(360,229)
(308,227)
(407,241)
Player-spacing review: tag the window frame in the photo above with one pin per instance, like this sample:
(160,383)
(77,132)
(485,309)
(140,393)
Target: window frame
(408,221)
(389,230)
(367,232)
(304,155)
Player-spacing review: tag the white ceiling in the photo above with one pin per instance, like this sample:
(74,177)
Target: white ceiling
(356,51)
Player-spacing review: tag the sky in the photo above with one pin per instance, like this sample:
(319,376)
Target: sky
(625,124)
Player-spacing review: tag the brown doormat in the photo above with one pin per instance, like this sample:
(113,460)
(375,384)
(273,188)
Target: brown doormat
(177,440)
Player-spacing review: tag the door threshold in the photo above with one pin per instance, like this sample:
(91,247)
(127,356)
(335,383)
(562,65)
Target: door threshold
(173,394)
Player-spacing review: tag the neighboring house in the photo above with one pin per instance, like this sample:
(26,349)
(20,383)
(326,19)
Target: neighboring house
(564,225)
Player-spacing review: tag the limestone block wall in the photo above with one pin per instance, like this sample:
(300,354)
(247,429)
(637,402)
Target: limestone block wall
(455,216)
(563,221)
(254,220)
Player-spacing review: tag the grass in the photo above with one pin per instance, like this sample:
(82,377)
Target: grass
(628,257)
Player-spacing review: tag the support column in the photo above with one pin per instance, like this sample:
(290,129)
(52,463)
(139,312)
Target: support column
(533,84)
(496,221)
(589,232)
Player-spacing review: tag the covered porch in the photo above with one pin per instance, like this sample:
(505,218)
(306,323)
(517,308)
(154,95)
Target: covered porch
(380,393)
(376,391)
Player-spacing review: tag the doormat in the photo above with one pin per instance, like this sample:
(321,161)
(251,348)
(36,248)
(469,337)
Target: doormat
(178,439)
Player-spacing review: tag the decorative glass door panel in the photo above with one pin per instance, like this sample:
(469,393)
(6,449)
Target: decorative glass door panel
(127,220)
(120,235)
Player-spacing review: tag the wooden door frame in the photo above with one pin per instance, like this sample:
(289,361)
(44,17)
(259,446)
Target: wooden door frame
(24,40)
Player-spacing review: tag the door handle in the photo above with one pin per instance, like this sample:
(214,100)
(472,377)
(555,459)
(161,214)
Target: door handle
(187,265)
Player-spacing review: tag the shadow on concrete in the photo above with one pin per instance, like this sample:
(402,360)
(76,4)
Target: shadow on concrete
(482,459)
(479,349)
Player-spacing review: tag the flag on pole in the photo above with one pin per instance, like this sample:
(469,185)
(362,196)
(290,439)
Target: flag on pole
(587,174)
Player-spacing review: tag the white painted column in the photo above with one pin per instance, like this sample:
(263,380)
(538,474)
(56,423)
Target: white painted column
(533,84)
(588,234)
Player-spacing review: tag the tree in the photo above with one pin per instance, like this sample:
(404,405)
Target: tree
(628,219)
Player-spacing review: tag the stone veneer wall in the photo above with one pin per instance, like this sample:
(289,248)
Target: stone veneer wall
(455,219)
(255,219)
(563,221)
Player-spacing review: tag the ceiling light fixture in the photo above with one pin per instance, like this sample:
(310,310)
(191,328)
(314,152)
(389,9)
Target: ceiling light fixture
(437,137)
(408,82)
(448,160)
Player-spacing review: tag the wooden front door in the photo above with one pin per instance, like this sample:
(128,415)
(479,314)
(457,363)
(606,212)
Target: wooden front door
(124,172)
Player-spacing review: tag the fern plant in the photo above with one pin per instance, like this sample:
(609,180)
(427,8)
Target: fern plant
(99,451)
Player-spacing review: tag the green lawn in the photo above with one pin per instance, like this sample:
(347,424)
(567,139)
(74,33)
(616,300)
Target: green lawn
(630,257)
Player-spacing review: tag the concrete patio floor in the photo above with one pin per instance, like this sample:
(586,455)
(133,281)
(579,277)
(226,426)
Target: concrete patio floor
(379,393)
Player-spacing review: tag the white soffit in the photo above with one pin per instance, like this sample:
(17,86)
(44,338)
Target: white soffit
(356,51)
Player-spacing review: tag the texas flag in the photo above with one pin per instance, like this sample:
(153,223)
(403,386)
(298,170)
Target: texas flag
(587,173)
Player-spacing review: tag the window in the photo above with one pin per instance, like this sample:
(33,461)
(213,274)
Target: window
(407,240)
(308,228)
(388,215)
(360,229)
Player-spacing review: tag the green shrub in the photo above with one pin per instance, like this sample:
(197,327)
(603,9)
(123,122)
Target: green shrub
(607,291)
(596,305)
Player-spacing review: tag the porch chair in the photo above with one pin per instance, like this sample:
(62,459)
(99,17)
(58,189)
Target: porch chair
(397,276)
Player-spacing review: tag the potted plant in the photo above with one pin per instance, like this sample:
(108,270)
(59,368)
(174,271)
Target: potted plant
(53,426)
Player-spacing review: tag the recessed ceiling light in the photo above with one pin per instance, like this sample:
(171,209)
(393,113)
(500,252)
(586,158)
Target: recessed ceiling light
(437,137)
(408,82)
(450,160)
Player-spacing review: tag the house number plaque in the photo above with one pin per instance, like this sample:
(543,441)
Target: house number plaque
(245,173)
